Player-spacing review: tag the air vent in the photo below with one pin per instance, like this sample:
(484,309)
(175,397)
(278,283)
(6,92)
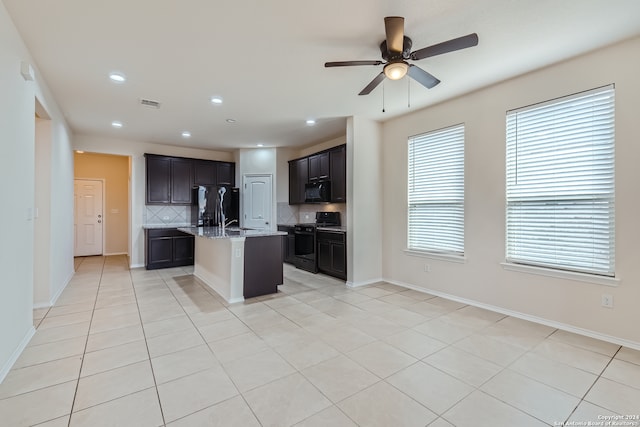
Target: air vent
(149,103)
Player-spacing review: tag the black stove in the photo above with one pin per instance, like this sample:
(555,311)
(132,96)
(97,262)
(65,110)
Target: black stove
(305,239)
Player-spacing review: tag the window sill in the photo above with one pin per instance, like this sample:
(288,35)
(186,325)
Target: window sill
(434,255)
(560,274)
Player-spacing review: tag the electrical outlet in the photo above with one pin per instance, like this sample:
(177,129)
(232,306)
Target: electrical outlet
(427,268)
(607,300)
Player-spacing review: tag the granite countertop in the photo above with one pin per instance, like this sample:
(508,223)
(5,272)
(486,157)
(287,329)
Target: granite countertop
(335,228)
(228,232)
(177,225)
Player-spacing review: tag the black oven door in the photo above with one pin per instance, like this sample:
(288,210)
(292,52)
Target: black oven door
(305,241)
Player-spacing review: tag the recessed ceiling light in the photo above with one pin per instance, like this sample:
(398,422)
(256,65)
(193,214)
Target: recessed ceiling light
(217,100)
(118,77)
(116,124)
(79,151)
(231,120)
(186,134)
(260,145)
(311,122)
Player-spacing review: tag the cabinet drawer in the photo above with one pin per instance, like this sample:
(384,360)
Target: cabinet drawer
(331,236)
(165,232)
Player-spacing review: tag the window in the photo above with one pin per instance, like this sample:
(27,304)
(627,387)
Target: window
(560,183)
(436,191)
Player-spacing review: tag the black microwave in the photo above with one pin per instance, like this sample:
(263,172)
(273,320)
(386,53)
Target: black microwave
(317,192)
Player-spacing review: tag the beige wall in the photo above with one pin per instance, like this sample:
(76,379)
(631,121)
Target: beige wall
(573,304)
(114,170)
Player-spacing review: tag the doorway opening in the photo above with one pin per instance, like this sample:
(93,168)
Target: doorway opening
(112,208)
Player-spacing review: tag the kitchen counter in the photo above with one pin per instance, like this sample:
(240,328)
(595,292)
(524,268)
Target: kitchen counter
(228,232)
(160,226)
(236,263)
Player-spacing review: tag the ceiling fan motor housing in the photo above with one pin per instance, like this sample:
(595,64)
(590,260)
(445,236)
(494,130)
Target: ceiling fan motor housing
(405,54)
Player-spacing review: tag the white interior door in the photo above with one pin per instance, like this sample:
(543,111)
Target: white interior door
(257,201)
(88,219)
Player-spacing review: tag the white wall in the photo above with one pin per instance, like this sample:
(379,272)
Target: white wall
(17,186)
(136,150)
(262,161)
(42,224)
(364,202)
(567,303)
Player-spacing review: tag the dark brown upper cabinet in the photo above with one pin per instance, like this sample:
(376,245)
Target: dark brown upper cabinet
(319,167)
(338,163)
(329,165)
(298,177)
(226,173)
(181,181)
(204,172)
(158,179)
(170,179)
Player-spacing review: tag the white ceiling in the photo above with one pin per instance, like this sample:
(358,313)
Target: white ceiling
(265,58)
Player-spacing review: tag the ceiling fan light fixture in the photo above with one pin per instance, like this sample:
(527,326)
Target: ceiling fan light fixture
(396,70)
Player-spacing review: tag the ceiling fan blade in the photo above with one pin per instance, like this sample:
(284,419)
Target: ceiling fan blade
(394,28)
(422,77)
(374,83)
(445,47)
(351,63)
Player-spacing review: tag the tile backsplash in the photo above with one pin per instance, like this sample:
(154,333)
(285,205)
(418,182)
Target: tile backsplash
(292,214)
(287,214)
(154,215)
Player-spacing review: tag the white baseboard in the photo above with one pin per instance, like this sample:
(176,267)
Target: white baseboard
(16,353)
(551,323)
(136,266)
(115,253)
(364,283)
(53,299)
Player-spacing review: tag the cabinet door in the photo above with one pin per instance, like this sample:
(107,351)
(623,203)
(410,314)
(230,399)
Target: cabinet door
(159,250)
(339,259)
(181,181)
(319,167)
(324,255)
(204,172)
(183,249)
(338,163)
(226,174)
(298,177)
(158,180)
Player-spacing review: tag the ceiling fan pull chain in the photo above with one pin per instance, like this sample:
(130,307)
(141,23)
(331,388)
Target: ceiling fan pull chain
(383,96)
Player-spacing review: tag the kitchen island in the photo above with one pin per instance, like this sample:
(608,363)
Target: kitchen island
(237,263)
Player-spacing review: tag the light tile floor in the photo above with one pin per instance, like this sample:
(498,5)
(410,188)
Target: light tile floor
(157,348)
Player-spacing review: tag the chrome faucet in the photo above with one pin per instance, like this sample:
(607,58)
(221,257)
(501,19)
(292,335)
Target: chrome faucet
(230,222)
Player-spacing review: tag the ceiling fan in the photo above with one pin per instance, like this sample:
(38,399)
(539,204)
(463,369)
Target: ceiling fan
(396,50)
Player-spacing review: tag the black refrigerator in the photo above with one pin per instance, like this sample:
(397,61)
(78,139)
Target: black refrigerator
(211,202)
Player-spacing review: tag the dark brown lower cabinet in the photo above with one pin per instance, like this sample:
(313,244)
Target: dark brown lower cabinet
(168,247)
(262,265)
(288,244)
(332,253)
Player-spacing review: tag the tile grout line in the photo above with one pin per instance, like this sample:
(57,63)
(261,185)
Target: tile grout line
(144,335)
(594,383)
(95,301)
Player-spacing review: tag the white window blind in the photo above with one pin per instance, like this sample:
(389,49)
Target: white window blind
(436,191)
(560,183)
